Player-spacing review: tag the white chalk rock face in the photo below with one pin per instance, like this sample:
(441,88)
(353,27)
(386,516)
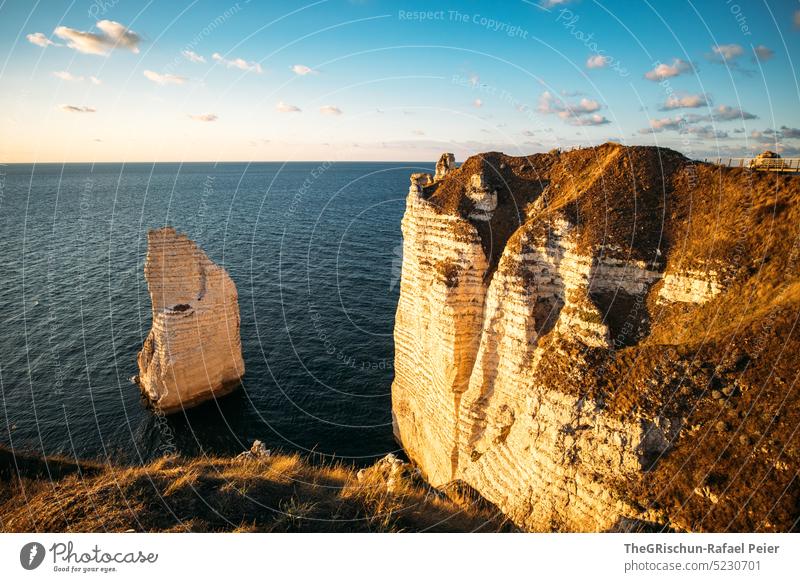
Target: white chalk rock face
(419,181)
(483,197)
(447,162)
(194,351)
(489,362)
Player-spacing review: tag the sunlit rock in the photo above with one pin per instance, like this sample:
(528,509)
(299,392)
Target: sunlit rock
(193,352)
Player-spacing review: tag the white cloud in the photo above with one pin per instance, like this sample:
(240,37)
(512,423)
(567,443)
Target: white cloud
(728,113)
(721,113)
(193,57)
(751,149)
(596,62)
(762,135)
(728,52)
(66,76)
(39,39)
(666,123)
(238,64)
(164,79)
(763,53)
(477,103)
(112,35)
(286,108)
(587,106)
(77,109)
(706,132)
(549,104)
(664,71)
(330,110)
(546,103)
(689,101)
(204,117)
(790,132)
(769,136)
(582,113)
(684,123)
(551,3)
(303,70)
(119,35)
(788,151)
(594,119)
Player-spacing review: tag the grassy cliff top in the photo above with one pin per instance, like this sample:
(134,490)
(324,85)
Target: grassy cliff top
(279,493)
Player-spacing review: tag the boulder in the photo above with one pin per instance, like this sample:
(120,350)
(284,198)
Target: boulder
(257,451)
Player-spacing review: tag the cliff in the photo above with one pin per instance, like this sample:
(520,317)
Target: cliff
(193,351)
(267,492)
(604,339)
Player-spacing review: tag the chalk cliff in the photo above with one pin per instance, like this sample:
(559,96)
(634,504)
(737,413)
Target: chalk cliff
(193,351)
(604,339)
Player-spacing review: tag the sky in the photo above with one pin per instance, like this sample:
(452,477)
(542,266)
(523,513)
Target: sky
(124,80)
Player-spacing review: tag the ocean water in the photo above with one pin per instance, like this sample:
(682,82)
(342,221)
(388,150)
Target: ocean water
(314,249)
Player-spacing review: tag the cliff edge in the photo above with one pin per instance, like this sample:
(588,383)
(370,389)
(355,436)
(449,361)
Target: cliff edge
(604,339)
(193,351)
(256,491)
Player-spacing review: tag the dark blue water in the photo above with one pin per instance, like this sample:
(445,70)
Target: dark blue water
(314,250)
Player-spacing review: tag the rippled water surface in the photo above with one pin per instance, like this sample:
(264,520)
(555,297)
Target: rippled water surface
(314,249)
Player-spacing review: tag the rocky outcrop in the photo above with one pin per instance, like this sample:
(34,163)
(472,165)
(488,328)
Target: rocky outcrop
(482,196)
(258,452)
(446,163)
(193,352)
(565,328)
(388,472)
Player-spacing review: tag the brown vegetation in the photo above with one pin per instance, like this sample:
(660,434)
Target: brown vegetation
(279,493)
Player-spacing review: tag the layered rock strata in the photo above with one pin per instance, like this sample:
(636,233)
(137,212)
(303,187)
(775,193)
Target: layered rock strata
(565,340)
(193,352)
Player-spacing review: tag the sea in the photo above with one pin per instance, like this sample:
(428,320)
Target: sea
(314,248)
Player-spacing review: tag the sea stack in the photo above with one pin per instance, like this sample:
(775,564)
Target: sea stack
(193,352)
(573,343)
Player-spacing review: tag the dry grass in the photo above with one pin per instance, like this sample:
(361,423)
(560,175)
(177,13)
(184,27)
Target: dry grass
(283,493)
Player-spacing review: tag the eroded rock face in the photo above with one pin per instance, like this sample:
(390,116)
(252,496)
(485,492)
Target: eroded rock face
(483,197)
(446,163)
(562,365)
(193,351)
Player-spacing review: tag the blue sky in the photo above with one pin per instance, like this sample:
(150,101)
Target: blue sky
(111,80)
